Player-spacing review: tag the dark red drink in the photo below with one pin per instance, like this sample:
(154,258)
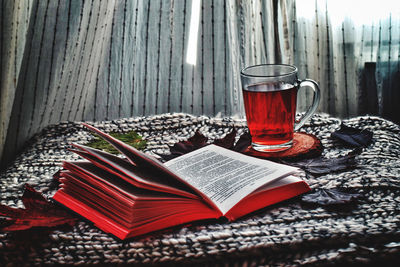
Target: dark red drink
(270,113)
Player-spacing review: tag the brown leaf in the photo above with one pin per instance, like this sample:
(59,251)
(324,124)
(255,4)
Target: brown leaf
(320,166)
(228,141)
(243,143)
(198,141)
(353,137)
(38,212)
(327,197)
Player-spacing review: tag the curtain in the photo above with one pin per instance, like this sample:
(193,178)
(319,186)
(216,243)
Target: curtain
(107,59)
(352,49)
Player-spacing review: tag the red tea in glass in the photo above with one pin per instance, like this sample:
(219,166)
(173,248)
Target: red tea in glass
(270,114)
(270,95)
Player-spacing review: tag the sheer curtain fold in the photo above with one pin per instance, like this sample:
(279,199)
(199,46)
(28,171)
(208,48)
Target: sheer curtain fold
(108,59)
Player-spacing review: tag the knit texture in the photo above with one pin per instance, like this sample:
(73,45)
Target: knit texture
(289,233)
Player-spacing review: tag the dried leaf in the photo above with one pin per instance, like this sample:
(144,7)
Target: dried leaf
(243,143)
(227,141)
(327,197)
(352,136)
(198,141)
(131,138)
(38,212)
(320,166)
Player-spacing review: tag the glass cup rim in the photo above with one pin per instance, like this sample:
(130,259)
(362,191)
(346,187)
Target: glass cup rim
(293,70)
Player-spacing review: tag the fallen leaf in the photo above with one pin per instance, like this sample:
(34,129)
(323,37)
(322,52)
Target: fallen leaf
(243,143)
(227,141)
(352,136)
(131,138)
(38,212)
(198,140)
(327,197)
(320,166)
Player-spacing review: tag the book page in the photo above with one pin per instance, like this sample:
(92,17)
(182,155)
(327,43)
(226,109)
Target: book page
(225,176)
(141,177)
(146,163)
(281,182)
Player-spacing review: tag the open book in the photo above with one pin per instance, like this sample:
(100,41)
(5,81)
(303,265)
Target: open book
(138,194)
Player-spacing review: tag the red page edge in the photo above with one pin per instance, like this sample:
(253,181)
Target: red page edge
(121,232)
(146,158)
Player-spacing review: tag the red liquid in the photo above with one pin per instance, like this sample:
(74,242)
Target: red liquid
(270,114)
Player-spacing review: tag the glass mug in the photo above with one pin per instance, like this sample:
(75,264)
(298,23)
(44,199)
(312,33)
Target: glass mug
(270,96)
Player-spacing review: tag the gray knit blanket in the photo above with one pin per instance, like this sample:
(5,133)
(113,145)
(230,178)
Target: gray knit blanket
(286,234)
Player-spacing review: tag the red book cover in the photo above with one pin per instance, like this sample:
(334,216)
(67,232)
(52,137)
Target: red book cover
(137,194)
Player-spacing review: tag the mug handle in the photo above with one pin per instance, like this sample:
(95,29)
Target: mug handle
(310,111)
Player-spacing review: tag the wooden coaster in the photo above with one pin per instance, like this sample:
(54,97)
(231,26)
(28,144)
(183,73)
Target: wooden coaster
(304,146)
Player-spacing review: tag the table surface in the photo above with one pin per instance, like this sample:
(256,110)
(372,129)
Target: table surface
(289,233)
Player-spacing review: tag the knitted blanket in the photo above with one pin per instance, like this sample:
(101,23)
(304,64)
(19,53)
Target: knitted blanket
(289,233)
